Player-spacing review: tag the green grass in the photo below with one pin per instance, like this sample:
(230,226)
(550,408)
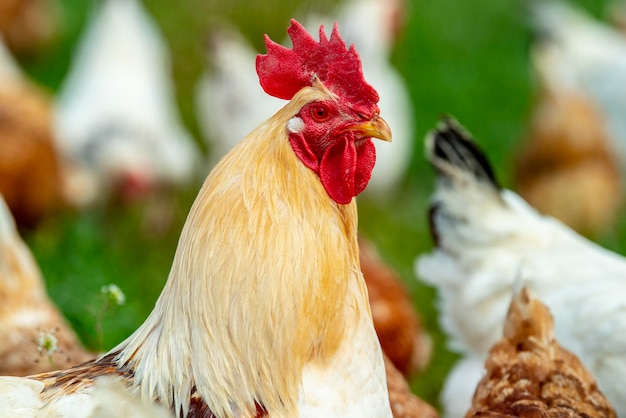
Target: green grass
(464,58)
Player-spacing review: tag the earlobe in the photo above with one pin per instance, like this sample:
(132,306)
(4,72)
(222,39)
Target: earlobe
(295,125)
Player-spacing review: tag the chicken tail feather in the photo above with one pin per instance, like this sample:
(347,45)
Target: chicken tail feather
(466,182)
(454,155)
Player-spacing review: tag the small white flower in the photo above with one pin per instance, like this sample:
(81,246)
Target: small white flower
(47,342)
(114,294)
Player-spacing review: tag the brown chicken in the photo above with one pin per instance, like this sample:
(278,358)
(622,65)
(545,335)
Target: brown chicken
(27,314)
(530,375)
(567,168)
(30,176)
(398,326)
(28,25)
(32,179)
(404,404)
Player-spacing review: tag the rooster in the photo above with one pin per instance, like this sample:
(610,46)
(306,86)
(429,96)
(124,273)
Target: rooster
(27,314)
(486,239)
(529,374)
(265,310)
(116,114)
(230,103)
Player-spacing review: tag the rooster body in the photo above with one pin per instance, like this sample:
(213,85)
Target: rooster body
(487,238)
(258,318)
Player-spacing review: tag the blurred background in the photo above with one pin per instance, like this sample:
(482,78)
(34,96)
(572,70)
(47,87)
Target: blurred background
(471,60)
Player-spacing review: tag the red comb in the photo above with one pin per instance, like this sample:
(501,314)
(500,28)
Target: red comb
(283,71)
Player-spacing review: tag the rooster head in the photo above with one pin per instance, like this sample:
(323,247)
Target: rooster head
(332,136)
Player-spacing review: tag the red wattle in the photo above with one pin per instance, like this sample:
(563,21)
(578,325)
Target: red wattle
(345,170)
(365,160)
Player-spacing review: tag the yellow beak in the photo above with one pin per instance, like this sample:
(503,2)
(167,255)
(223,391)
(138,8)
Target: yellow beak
(374,128)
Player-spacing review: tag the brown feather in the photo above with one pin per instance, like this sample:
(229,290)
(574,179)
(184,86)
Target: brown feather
(30,172)
(26,311)
(398,326)
(405,404)
(530,375)
(28,25)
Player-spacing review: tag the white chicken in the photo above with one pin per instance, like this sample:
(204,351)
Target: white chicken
(594,54)
(230,103)
(229,100)
(487,238)
(116,112)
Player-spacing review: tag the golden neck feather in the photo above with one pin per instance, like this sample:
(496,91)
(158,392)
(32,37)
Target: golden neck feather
(259,283)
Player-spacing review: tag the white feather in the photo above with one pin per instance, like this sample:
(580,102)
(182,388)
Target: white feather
(348,386)
(19,397)
(461,384)
(113,400)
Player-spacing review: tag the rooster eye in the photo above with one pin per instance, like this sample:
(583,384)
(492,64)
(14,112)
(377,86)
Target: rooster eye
(320,113)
